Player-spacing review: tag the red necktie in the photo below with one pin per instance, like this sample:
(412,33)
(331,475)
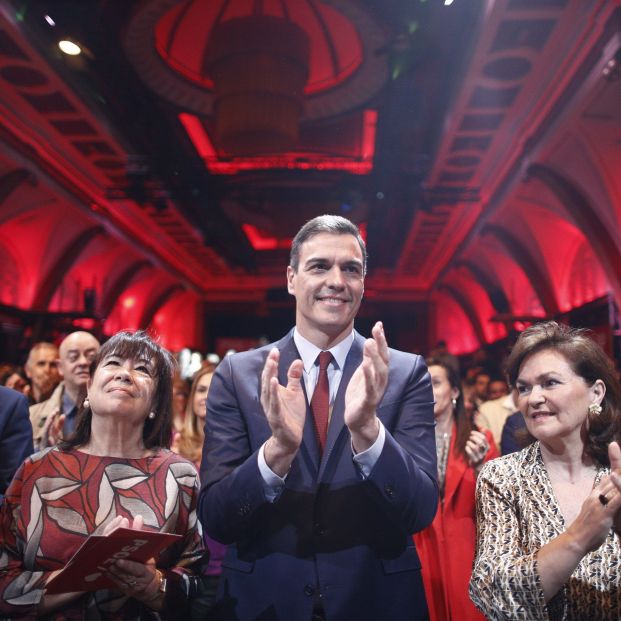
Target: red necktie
(320,403)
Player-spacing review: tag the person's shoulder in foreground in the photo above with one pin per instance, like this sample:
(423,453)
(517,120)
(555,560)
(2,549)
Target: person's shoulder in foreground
(15,434)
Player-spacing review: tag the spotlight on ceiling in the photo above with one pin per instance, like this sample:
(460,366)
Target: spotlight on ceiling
(448,2)
(69,47)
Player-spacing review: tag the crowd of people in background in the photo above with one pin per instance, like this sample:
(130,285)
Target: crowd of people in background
(477,419)
(53,379)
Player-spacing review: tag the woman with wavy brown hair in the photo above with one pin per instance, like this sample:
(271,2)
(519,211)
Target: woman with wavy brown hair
(549,516)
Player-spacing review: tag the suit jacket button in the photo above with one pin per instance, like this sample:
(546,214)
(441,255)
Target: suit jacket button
(309,590)
(389,491)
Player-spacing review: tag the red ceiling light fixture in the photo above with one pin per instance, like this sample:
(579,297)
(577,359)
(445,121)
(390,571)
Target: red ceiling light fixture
(167,42)
(264,85)
(259,66)
(338,32)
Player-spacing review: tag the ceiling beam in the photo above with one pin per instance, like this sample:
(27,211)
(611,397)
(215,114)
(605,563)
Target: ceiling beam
(119,285)
(495,293)
(537,274)
(10,181)
(586,218)
(152,308)
(464,302)
(61,267)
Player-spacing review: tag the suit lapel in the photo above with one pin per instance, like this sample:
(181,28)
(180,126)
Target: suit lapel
(289,353)
(337,424)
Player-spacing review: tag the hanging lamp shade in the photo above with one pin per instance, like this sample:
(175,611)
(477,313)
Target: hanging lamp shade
(259,65)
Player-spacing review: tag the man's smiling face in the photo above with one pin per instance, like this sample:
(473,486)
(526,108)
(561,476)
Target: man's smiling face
(328,287)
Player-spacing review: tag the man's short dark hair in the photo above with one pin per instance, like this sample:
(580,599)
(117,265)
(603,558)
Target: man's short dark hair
(336,225)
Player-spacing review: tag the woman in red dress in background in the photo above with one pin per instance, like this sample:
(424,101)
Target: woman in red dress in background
(446,547)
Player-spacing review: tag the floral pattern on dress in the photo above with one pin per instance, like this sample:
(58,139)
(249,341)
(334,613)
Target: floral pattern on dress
(58,498)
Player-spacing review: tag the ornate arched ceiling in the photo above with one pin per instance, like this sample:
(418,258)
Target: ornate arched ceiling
(478,144)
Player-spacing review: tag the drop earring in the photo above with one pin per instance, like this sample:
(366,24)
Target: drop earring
(86,403)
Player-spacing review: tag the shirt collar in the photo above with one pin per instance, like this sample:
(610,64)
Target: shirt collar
(67,404)
(309,352)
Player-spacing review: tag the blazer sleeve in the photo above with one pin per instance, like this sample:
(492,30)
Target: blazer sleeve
(232,486)
(15,435)
(509,443)
(404,479)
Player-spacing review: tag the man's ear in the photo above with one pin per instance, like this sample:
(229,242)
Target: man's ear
(59,368)
(290,277)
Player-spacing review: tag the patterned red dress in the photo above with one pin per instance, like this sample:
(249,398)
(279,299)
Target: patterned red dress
(58,498)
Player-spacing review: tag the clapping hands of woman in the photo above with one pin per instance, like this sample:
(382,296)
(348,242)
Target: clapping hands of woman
(476,448)
(609,489)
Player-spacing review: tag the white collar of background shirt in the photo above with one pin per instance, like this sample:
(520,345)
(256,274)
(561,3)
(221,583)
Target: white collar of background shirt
(508,402)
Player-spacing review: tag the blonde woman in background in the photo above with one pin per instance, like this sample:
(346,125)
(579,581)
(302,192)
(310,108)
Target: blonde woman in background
(188,441)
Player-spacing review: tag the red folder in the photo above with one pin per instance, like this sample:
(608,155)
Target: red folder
(86,570)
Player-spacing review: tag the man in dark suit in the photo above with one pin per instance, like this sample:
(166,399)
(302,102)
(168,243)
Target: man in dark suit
(15,435)
(320,526)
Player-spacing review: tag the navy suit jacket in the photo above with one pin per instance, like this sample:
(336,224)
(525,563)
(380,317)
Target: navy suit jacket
(15,434)
(332,535)
(509,443)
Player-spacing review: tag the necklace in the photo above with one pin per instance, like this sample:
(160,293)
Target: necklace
(443,442)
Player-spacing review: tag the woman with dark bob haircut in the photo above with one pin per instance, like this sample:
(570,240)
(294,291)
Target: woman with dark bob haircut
(115,471)
(549,516)
(156,431)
